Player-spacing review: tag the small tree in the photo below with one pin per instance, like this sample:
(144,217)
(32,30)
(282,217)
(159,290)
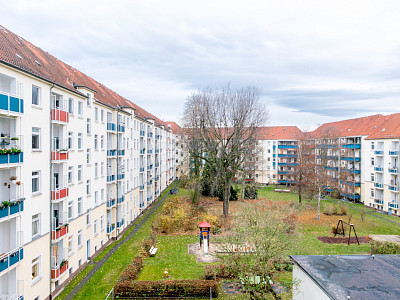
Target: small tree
(258,242)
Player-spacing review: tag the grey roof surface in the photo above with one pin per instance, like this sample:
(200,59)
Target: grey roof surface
(358,276)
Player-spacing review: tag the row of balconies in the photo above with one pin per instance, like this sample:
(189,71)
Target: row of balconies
(113,127)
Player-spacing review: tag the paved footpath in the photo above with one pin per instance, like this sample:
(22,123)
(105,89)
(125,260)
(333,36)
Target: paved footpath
(100,263)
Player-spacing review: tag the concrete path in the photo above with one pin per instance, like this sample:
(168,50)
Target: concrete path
(100,263)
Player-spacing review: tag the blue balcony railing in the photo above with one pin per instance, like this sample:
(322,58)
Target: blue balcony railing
(157,151)
(110,228)
(11,258)
(142,133)
(121,152)
(141,187)
(394,152)
(120,223)
(150,134)
(287,155)
(14,208)
(378,169)
(393,188)
(142,151)
(378,201)
(286,181)
(378,185)
(120,176)
(14,158)
(111,126)
(287,146)
(352,146)
(393,205)
(111,203)
(111,153)
(10,104)
(121,128)
(157,165)
(393,170)
(110,178)
(350,196)
(141,169)
(378,152)
(149,151)
(120,199)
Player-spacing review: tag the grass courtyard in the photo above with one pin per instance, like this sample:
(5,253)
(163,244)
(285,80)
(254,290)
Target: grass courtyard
(173,251)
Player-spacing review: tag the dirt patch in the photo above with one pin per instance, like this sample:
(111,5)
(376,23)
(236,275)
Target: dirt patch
(342,240)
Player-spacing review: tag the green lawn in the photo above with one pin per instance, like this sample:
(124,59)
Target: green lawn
(173,254)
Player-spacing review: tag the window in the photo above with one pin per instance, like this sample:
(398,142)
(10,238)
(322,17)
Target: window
(35,225)
(35,138)
(80,108)
(102,142)
(36,95)
(102,195)
(70,244)
(96,142)
(96,170)
(96,197)
(96,114)
(35,269)
(102,169)
(80,173)
(35,182)
(70,175)
(372,161)
(89,99)
(71,106)
(96,231)
(70,140)
(102,115)
(80,238)
(88,219)
(88,157)
(80,208)
(80,143)
(88,187)
(372,177)
(372,145)
(372,193)
(70,210)
(102,223)
(88,126)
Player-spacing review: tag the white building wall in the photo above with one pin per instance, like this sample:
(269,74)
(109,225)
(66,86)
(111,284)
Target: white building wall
(304,288)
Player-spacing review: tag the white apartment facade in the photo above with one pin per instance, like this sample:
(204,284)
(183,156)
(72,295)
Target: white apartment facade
(78,164)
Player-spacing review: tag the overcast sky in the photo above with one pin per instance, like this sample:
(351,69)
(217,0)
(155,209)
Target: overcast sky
(316,61)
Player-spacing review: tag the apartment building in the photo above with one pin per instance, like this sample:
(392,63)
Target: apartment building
(276,154)
(380,180)
(181,162)
(78,164)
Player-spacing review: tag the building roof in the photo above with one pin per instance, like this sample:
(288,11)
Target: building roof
(19,53)
(388,129)
(176,129)
(279,133)
(357,276)
(350,128)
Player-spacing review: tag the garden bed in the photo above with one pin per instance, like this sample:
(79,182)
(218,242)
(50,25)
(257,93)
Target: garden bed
(342,240)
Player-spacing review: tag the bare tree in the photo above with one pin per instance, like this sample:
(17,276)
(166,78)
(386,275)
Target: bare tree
(305,164)
(224,122)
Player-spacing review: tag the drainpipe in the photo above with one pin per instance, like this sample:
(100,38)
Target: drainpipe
(50,177)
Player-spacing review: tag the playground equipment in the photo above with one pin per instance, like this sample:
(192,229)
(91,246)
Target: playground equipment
(341,222)
(205,235)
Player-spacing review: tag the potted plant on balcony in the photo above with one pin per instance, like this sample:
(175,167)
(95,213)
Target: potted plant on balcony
(13,179)
(14,139)
(63,150)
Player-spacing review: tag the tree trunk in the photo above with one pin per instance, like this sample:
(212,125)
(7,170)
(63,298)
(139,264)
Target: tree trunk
(227,190)
(300,192)
(243,189)
(319,202)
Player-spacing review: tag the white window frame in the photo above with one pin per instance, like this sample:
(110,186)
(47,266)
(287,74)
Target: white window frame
(38,135)
(71,106)
(38,177)
(88,187)
(80,205)
(80,239)
(96,142)
(36,219)
(70,175)
(39,96)
(88,126)
(70,210)
(102,223)
(80,109)
(96,227)
(96,170)
(36,261)
(102,169)
(88,156)
(80,141)
(80,173)
(70,245)
(102,115)
(70,140)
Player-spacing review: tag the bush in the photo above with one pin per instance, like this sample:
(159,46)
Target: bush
(291,221)
(336,230)
(335,194)
(166,289)
(334,209)
(250,192)
(343,210)
(384,247)
(213,272)
(132,271)
(233,196)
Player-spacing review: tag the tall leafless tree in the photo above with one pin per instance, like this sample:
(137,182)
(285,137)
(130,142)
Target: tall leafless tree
(224,122)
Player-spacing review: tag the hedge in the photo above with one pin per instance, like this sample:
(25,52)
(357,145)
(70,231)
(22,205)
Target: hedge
(165,289)
(384,247)
(132,271)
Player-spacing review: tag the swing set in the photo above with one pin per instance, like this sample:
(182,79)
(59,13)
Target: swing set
(342,232)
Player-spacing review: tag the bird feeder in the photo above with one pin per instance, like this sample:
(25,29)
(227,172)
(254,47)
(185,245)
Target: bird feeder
(205,234)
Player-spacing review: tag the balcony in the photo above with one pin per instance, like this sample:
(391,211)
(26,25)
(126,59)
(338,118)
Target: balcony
(287,164)
(394,170)
(121,152)
(142,151)
(157,136)
(287,146)
(120,199)
(12,209)
(149,151)
(120,223)
(142,133)
(121,128)
(350,183)
(141,169)
(59,115)
(378,185)
(157,165)
(157,178)
(378,201)
(353,171)
(287,155)
(59,193)
(59,270)
(149,134)
(11,105)
(110,228)
(149,167)
(11,158)
(110,203)
(111,153)
(157,151)
(352,146)
(10,258)
(352,158)
(393,188)
(394,153)
(149,198)
(141,187)
(378,169)
(59,232)
(393,204)
(111,127)
(120,176)
(287,181)
(60,155)
(350,196)
(110,178)
(378,152)
(157,191)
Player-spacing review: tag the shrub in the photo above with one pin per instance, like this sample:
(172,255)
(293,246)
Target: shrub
(250,192)
(363,212)
(213,272)
(132,271)
(384,247)
(166,289)
(335,194)
(291,221)
(343,210)
(336,230)
(233,196)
